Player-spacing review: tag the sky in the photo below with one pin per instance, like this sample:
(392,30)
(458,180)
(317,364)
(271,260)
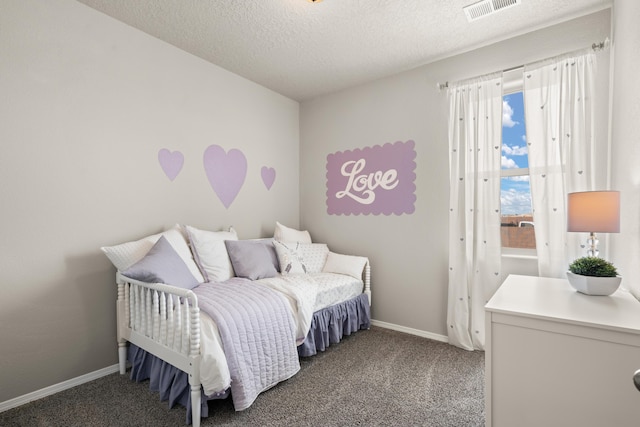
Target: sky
(515,193)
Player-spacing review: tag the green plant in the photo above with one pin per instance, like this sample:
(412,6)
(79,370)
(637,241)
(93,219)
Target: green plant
(593,266)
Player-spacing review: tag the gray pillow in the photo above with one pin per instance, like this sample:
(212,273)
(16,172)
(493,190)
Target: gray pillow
(250,259)
(162,264)
(268,243)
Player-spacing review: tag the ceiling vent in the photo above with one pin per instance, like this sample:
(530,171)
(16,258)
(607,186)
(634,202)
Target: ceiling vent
(487,7)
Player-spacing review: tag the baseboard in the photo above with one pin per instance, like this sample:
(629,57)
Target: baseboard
(53,389)
(418,332)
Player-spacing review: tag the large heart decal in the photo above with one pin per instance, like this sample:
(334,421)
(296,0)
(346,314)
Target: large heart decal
(268,176)
(226,172)
(171,163)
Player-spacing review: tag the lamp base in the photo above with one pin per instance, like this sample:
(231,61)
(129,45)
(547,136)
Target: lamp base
(592,243)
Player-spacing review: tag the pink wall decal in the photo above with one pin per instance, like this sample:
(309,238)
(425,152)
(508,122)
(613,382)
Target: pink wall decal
(171,162)
(268,176)
(373,180)
(226,172)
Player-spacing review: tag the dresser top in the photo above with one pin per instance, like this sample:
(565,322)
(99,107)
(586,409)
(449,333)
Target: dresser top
(555,299)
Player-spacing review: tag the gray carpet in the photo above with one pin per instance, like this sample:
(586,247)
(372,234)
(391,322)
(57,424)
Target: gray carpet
(372,378)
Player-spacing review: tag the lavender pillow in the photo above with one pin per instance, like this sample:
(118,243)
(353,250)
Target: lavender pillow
(250,259)
(268,243)
(162,264)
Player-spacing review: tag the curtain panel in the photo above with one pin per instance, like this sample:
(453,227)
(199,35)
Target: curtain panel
(558,100)
(475,126)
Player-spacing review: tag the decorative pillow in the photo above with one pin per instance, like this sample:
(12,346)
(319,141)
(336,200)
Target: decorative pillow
(250,259)
(345,264)
(125,255)
(267,242)
(210,252)
(314,256)
(290,235)
(290,259)
(162,264)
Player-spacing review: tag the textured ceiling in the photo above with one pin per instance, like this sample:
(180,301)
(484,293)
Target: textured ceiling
(302,49)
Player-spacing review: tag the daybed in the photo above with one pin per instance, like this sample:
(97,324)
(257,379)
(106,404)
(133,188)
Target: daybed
(204,315)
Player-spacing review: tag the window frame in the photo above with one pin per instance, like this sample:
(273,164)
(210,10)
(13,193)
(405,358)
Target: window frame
(513,82)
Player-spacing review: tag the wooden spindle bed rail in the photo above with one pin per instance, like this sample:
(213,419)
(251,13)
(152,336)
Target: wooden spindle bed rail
(165,321)
(366,278)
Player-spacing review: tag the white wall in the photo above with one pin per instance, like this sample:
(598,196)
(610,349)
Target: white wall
(409,253)
(86,103)
(626,141)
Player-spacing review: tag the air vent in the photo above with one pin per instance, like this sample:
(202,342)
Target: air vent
(487,7)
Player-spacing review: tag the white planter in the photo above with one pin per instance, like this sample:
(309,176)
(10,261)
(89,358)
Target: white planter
(591,285)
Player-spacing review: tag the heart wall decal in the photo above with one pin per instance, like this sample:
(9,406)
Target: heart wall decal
(170,162)
(268,176)
(226,172)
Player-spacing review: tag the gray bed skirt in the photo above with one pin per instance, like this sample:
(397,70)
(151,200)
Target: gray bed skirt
(328,326)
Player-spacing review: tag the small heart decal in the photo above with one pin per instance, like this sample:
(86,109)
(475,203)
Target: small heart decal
(268,176)
(226,172)
(170,162)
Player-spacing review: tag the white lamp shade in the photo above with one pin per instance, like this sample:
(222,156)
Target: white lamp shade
(594,211)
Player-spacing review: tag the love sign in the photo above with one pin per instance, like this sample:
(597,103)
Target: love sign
(373,180)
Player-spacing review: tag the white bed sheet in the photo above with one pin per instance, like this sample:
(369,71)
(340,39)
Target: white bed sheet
(306,294)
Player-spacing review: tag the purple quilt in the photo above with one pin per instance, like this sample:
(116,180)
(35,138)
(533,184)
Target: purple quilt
(258,335)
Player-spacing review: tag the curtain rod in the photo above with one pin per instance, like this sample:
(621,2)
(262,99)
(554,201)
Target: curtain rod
(594,46)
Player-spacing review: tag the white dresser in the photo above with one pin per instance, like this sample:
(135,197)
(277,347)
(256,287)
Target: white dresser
(555,357)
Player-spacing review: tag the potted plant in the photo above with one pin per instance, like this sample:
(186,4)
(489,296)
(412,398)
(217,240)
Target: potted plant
(593,276)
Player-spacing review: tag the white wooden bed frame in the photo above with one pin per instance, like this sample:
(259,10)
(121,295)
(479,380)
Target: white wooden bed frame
(149,317)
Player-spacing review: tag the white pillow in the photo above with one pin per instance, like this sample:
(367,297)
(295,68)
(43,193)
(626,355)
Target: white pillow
(300,258)
(210,252)
(314,256)
(290,235)
(125,255)
(345,264)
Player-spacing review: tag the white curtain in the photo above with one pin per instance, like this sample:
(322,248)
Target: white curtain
(475,126)
(558,98)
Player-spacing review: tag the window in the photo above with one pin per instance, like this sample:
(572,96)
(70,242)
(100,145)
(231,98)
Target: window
(517,226)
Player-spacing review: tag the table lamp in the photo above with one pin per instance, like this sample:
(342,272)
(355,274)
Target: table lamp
(593,212)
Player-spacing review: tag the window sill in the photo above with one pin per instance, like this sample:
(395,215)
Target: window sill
(520,256)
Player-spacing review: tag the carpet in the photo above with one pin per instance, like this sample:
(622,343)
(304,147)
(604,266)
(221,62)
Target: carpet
(377,377)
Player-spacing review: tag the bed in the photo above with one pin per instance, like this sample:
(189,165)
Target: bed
(176,337)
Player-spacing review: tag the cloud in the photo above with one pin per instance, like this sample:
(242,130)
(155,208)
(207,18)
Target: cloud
(515,150)
(524,138)
(522,178)
(507,115)
(508,163)
(515,202)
